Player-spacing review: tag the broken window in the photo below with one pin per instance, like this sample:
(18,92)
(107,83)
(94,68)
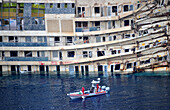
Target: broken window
(129,65)
(13,53)
(97,9)
(28,53)
(117,67)
(69,40)
(114,9)
(70,54)
(51,5)
(85,54)
(100,53)
(126,50)
(57,39)
(58,5)
(55,53)
(125,7)
(113,52)
(126,22)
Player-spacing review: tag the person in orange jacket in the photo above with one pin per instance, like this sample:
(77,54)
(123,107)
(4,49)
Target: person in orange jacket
(83,90)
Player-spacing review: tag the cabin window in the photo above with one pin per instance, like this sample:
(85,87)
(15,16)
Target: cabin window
(51,5)
(98,39)
(69,40)
(85,24)
(73,5)
(114,37)
(58,5)
(28,39)
(126,22)
(97,9)
(57,39)
(114,9)
(38,54)
(28,54)
(13,39)
(113,52)
(126,50)
(129,65)
(0,38)
(117,67)
(70,54)
(147,46)
(65,5)
(55,53)
(133,35)
(127,36)
(85,54)
(145,32)
(100,53)
(125,7)
(13,53)
(104,39)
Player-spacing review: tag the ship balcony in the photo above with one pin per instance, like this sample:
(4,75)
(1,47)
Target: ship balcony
(21,44)
(26,58)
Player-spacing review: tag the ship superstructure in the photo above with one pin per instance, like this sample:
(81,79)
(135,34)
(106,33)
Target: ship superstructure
(84,35)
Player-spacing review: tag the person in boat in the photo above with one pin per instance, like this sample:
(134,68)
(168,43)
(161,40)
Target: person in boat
(97,87)
(83,90)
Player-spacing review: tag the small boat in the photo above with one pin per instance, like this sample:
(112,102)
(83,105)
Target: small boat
(94,91)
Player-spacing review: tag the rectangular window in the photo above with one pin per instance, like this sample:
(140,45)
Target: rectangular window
(126,22)
(65,5)
(97,9)
(42,54)
(70,54)
(114,9)
(28,39)
(127,36)
(38,54)
(113,24)
(57,39)
(113,52)
(58,5)
(138,5)
(69,40)
(98,39)
(129,65)
(126,50)
(28,53)
(85,54)
(85,24)
(55,53)
(1,38)
(125,7)
(100,53)
(73,5)
(40,39)
(90,54)
(131,8)
(51,5)
(13,53)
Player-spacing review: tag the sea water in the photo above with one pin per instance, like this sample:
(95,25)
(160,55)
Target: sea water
(140,91)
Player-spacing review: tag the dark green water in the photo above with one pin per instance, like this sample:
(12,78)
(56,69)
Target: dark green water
(140,91)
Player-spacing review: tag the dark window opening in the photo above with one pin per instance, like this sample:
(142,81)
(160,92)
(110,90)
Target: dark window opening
(38,54)
(127,36)
(57,39)
(133,35)
(65,5)
(113,52)
(113,24)
(76,69)
(117,67)
(13,39)
(97,9)
(97,23)
(147,61)
(114,37)
(100,68)
(71,54)
(83,9)
(29,67)
(145,32)
(147,46)
(58,5)
(80,37)
(85,54)
(112,68)
(160,59)
(114,9)
(100,53)
(0,38)
(69,40)
(85,38)
(41,68)
(78,24)
(104,39)
(129,65)
(51,5)
(126,22)
(73,5)
(28,54)
(138,5)
(86,68)
(125,8)
(85,24)
(79,10)
(13,53)
(126,50)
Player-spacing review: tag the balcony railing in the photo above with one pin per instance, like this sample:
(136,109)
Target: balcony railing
(21,44)
(79,29)
(26,59)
